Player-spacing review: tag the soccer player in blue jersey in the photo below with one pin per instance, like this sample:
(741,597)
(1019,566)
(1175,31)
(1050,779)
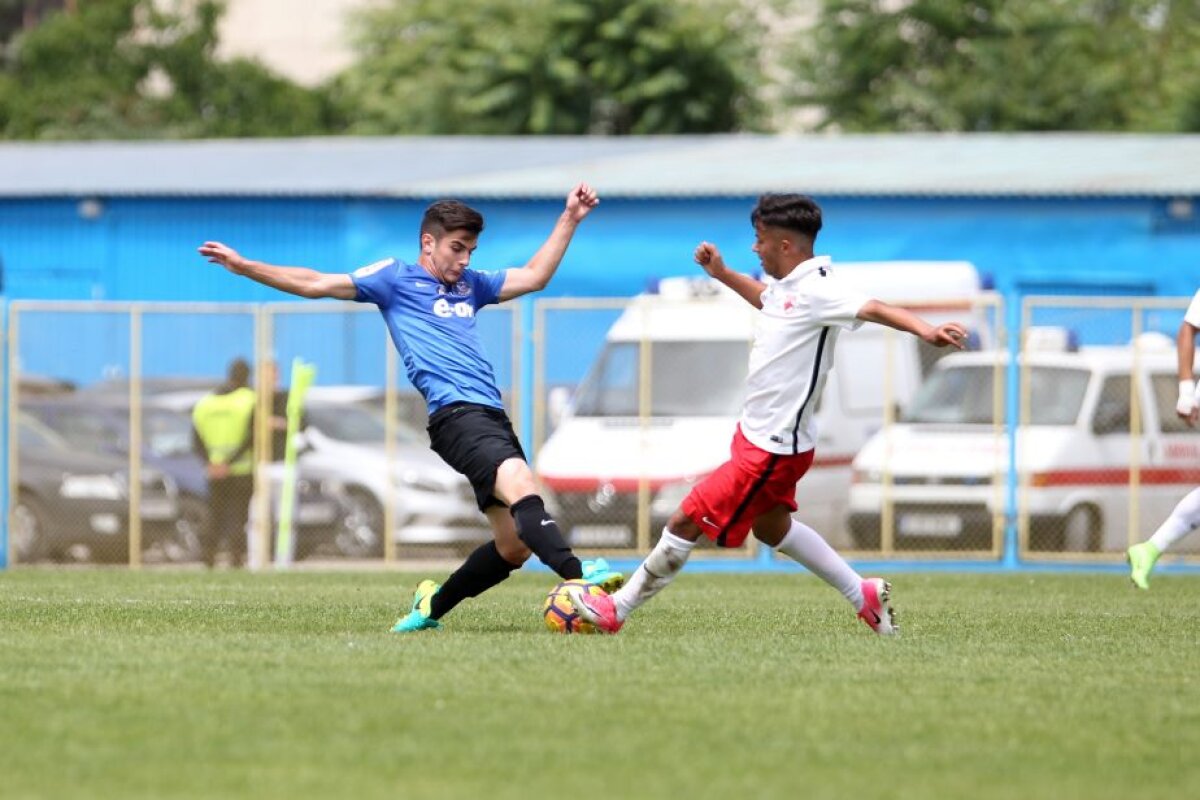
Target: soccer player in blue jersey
(430,308)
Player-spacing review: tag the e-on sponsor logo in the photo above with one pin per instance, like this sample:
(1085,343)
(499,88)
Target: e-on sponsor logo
(445,309)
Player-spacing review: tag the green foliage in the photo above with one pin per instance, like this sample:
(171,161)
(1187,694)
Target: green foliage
(126,69)
(552,67)
(991,65)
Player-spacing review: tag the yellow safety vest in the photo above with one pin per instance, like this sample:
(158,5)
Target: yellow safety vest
(223,422)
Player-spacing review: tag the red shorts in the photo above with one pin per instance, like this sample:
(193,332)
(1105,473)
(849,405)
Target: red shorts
(750,483)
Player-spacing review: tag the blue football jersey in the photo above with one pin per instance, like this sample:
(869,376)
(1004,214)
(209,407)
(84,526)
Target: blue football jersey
(433,326)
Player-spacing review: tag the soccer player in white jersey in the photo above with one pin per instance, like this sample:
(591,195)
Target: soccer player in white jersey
(1186,516)
(429,308)
(804,306)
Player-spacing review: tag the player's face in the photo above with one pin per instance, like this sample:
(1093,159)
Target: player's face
(449,254)
(773,247)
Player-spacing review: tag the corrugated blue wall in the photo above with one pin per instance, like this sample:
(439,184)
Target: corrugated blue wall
(145,248)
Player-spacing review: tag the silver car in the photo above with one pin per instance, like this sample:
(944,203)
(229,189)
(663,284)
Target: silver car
(432,503)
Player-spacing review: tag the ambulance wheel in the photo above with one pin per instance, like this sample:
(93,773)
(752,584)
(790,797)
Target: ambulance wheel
(1081,530)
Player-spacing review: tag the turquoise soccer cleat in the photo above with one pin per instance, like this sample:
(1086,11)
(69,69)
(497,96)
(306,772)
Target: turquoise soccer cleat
(1142,558)
(418,618)
(597,572)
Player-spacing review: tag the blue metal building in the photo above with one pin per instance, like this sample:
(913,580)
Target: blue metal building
(1049,213)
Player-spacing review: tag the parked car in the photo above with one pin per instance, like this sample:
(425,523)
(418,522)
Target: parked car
(75,504)
(433,503)
(95,424)
(344,444)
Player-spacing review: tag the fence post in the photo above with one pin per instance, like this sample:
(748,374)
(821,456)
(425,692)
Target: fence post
(1013,310)
(5,380)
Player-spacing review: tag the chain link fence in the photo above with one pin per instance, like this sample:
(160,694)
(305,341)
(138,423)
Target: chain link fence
(102,465)
(633,401)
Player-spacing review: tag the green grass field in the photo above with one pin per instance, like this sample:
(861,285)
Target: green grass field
(114,684)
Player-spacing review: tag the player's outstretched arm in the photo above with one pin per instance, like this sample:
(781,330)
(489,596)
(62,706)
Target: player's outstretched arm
(300,281)
(1187,407)
(709,257)
(951,333)
(534,276)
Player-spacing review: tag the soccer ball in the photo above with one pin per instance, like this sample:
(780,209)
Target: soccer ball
(558,613)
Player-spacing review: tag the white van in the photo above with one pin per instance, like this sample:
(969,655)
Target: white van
(696,336)
(948,459)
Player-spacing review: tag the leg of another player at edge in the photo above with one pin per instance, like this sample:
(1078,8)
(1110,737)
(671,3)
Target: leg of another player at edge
(486,566)
(793,538)
(535,528)
(665,561)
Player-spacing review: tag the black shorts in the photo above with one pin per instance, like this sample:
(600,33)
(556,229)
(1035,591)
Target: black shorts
(475,440)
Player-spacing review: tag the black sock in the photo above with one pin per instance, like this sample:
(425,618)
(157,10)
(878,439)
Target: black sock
(482,570)
(540,534)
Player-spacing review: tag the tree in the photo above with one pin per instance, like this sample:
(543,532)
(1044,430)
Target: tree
(551,67)
(127,69)
(991,65)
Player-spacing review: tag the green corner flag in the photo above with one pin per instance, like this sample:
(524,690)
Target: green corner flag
(303,376)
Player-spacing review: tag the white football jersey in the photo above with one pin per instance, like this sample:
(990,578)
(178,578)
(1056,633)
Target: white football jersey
(794,338)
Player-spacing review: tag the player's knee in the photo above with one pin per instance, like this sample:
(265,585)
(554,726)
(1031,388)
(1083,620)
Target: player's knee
(681,525)
(770,528)
(514,480)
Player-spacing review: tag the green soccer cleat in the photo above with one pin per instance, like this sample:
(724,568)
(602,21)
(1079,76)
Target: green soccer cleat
(1142,558)
(597,572)
(418,618)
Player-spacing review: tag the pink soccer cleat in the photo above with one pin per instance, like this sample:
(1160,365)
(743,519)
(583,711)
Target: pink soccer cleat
(598,609)
(875,610)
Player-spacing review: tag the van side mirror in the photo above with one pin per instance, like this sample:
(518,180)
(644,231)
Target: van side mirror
(1111,418)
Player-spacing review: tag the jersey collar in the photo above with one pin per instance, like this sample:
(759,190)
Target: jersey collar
(806,268)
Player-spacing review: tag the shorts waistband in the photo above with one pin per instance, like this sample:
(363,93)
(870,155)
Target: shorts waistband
(450,409)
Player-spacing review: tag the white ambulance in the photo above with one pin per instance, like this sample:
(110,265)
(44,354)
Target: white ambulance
(943,469)
(666,421)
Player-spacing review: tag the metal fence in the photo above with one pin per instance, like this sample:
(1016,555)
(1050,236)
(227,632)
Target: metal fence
(1061,443)
(100,461)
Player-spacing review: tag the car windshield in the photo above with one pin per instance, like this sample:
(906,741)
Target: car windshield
(355,423)
(36,436)
(166,433)
(964,395)
(688,379)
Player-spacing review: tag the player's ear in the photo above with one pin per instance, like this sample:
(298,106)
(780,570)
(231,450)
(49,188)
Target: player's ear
(426,243)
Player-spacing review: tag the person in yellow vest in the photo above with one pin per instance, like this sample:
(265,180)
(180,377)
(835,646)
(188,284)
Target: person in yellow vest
(222,426)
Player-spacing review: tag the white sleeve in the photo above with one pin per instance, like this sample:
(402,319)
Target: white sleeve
(1192,317)
(836,303)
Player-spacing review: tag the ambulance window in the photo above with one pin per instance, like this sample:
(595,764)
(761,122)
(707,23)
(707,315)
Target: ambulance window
(688,379)
(1166,393)
(958,395)
(1056,395)
(964,395)
(1112,407)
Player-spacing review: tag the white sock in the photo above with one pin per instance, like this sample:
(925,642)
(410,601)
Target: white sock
(1183,520)
(652,575)
(808,547)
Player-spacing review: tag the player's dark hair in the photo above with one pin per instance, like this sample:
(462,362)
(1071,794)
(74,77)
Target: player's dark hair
(239,372)
(792,212)
(451,215)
